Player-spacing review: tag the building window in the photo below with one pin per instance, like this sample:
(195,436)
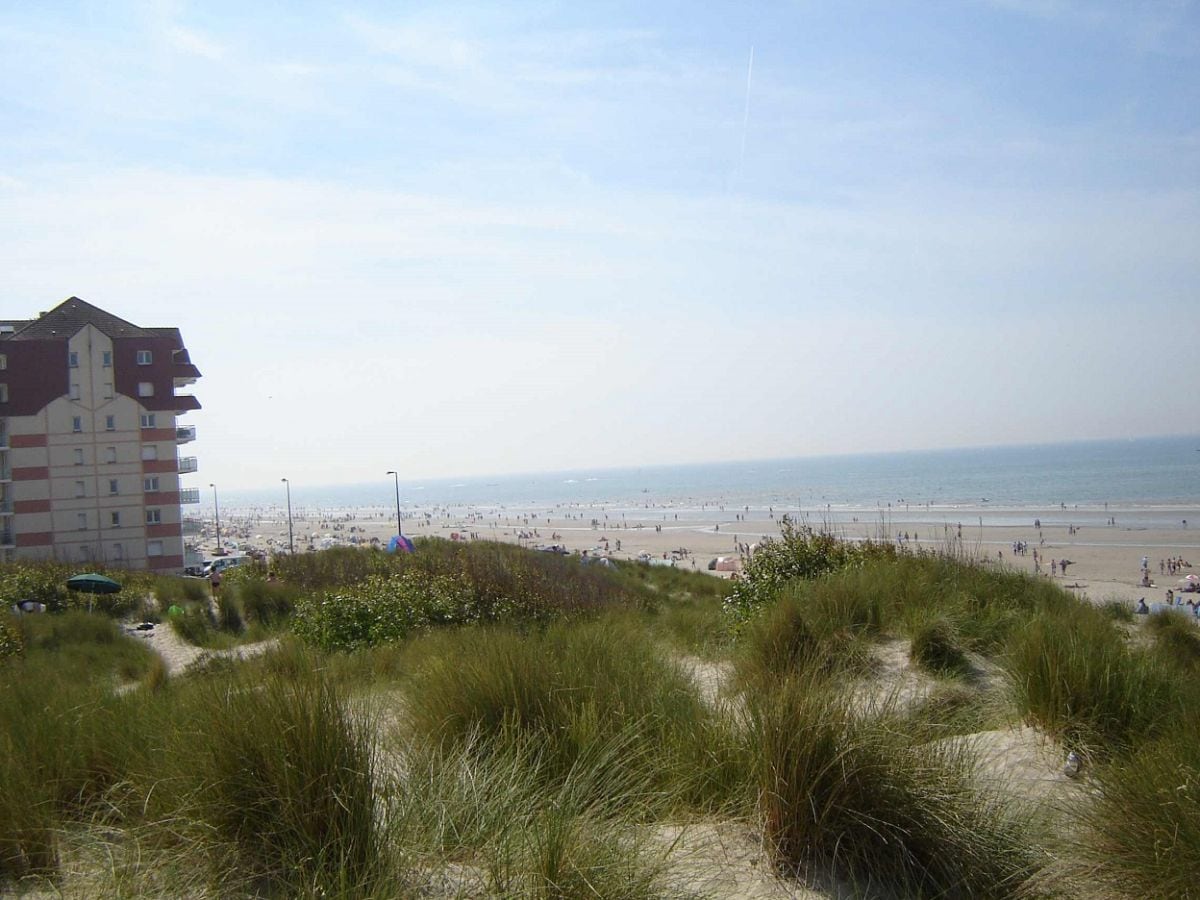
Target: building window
(150,482)
(114,519)
(80,489)
(118,552)
(85,553)
(73,360)
(149,451)
(77,424)
(110,423)
(153,516)
(108,391)
(114,486)
(74,392)
(148,420)
(3,361)
(144,357)
(82,521)
(106,358)
(145,389)
(154,548)
(110,454)
(78,456)
(3,393)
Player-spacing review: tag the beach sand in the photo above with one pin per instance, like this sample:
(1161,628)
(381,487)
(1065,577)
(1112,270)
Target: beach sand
(1105,560)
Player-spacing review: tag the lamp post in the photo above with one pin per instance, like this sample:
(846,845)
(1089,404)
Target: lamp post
(291,543)
(399,528)
(217,514)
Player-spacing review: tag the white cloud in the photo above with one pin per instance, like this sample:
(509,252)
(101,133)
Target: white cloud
(191,41)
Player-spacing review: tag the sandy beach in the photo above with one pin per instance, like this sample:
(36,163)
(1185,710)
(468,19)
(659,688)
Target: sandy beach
(1104,560)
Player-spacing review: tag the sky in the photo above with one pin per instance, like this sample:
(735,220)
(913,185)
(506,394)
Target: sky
(459,239)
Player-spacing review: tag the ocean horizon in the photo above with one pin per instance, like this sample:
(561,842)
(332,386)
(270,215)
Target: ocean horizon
(1147,474)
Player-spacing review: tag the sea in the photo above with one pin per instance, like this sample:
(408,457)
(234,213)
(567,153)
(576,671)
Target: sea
(1144,482)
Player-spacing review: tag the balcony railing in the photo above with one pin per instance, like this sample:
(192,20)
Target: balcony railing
(190,495)
(3,436)
(192,526)
(5,472)
(187,464)
(185,433)
(7,539)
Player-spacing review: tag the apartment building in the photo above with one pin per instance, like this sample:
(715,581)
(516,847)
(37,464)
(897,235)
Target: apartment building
(89,437)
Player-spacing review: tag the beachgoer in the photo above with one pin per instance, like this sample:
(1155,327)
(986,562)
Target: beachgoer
(215,580)
(1142,609)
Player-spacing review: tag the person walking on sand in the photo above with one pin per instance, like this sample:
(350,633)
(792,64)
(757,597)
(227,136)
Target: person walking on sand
(215,580)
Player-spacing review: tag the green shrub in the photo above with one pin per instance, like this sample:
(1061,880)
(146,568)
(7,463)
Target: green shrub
(46,582)
(12,642)
(800,553)
(382,609)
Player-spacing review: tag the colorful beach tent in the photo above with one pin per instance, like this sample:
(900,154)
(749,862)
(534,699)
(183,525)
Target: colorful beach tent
(400,544)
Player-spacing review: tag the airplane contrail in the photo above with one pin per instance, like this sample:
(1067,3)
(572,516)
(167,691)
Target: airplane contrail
(746,111)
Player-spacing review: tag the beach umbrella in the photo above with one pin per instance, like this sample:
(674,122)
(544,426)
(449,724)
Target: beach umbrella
(92,583)
(400,544)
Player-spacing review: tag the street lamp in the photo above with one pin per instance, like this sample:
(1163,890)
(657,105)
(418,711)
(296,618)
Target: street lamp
(291,543)
(399,528)
(217,513)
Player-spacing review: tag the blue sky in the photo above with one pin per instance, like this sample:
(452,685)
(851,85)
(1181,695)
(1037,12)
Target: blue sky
(465,239)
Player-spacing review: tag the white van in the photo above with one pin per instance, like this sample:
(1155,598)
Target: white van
(221,563)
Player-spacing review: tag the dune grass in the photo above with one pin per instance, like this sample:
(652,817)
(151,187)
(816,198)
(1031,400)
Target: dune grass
(1075,675)
(1141,833)
(936,648)
(861,796)
(532,750)
(84,646)
(518,835)
(282,771)
(1176,637)
(575,686)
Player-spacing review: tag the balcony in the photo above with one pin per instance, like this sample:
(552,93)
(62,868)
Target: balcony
(185,374)
(182,403)
(7,538)
(4,436)
(189,495)
(192,526)
(5,472)
(187,464)
(185,433)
